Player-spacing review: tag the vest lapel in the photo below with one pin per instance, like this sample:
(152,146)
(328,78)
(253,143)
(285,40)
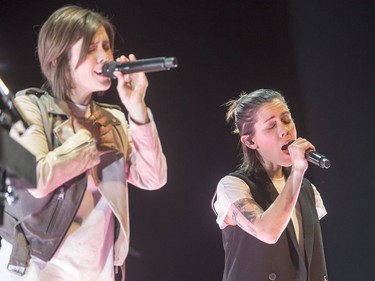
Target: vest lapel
(290,227)
(308,225)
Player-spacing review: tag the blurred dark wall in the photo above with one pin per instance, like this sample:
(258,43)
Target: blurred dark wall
(334,43)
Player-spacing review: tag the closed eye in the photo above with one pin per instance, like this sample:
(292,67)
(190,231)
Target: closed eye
(287,120)
(94,46)
(271,126)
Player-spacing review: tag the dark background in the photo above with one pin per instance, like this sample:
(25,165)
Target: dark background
(320,54)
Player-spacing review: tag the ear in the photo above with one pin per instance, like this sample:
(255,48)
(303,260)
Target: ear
(246,140)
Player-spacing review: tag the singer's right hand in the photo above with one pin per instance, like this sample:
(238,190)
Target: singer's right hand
(297,151)
(132,90)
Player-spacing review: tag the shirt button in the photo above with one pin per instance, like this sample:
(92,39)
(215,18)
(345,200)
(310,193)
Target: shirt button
(272,276)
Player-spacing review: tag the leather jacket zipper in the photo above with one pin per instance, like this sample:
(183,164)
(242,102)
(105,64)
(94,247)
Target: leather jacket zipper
(58,198)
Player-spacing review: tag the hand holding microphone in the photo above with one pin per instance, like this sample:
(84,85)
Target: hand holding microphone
(313,157)
(132,88)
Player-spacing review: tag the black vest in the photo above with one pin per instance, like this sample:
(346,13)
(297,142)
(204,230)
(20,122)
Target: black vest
(249,259)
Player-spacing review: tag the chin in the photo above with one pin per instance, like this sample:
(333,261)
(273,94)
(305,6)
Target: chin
(103,88)
(287,163)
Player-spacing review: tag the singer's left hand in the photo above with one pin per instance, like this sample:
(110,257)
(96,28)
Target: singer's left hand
(132,90)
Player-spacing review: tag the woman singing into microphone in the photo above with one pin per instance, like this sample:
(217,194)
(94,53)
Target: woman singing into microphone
(268,212)
(87,153)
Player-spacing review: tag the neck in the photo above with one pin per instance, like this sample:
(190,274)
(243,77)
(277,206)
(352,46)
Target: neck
(275,172)
(80,98)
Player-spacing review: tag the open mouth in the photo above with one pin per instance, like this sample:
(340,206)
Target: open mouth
(285,146)
(99,72)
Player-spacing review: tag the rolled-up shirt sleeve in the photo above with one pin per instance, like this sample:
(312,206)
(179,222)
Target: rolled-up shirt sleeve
(319,203)
(229,190)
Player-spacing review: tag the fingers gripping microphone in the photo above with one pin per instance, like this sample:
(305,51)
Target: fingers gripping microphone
(143,65)
(313,157)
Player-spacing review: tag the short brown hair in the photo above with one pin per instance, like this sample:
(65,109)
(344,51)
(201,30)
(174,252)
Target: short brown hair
(58,34)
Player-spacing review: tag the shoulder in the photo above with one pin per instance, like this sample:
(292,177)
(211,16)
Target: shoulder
(25,100)
(31,91)
(33,95)
(233,185)
(231,179)
(35,98)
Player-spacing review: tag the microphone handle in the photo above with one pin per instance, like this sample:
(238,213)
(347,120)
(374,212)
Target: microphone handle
(141,65)
(317,159)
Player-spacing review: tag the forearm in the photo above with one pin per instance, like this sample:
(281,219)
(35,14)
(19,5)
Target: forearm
(139,114)
(74,157)
(268,225)
(76,154)
(147,163)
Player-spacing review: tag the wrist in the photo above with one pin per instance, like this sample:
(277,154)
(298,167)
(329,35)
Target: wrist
(139,115)
(297,173)
(139,120)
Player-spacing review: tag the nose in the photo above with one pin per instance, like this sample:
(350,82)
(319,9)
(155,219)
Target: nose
(284,130)
(102,59)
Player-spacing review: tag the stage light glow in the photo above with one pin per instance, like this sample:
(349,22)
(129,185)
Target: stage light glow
(3,88)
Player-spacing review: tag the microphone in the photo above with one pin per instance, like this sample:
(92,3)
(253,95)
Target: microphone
(313,157)
(142,65)
(317,159)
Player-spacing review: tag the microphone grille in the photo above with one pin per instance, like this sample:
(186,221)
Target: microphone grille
(325,163)
(170,62)
(109,68)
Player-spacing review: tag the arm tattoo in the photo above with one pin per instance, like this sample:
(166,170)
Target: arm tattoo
(250,210)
